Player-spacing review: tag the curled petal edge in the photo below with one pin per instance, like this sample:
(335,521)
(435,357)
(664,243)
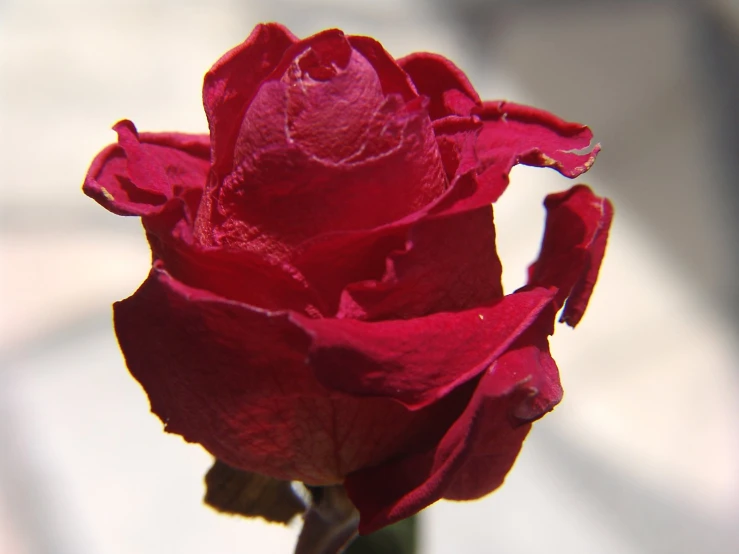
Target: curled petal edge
(420,360)
(573,247)
(476,452)
(131,177)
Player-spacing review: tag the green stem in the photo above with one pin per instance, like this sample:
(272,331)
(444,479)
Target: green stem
(330,523)
(400,538)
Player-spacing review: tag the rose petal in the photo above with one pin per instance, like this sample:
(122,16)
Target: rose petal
(477,451)
(446,86)
(212,370)
(530,356)
(420,360)
(455,137)
(232,82)
(363,257)
(392,77)
(573,247)
(160,176)
(140,174)
(234,378)
(364,254)
(501,134)
(322,148)
(239,276)
(335,106)
(448,264)
(513,134)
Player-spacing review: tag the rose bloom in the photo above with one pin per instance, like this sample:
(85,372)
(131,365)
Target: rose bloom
(325,301)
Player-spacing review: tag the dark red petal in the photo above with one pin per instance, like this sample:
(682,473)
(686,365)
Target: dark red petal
(234,79)
(448,264)
(477,451)
(447,87)
(141,173)
(364,254)
(455,137)
(222,374)
(160,176)
(513,134)
(573,247)
(420,360)
(499,135)
(392,77)
(239,276)
(235,379)
(322,149)
(489,455)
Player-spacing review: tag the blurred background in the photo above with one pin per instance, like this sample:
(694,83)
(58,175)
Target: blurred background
(642,456)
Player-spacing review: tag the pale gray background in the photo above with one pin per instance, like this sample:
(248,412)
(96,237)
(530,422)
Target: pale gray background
(642,456)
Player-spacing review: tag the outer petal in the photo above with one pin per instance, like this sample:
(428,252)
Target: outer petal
(234,379)
(513,134)
(420,360)
(239,276)
(574,244)
(370,258)
(448,264)
(473,458)
(501,134)
(447,87)
(332,261)
(529,364)
(232,82)
(143,172)
(394,80)
(160,176)
(476,452)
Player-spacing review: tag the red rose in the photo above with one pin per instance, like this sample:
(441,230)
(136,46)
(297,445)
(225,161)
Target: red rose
(325,302)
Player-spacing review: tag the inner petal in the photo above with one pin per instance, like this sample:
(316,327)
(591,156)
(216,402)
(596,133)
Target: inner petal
(331,119)
(323,149)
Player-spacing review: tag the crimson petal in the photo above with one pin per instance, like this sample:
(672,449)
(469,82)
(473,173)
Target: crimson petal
(235,379)
(446,86)
(499,135)
(420,360)
(513,133)
(234,80)
(448,264)
(394,80)
(368,255)
(330,142)
(573,247)
(239,276)
(476,452)
(143,172)
(202,361)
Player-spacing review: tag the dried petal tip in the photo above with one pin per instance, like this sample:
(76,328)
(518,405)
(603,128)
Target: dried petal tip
(239,492)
